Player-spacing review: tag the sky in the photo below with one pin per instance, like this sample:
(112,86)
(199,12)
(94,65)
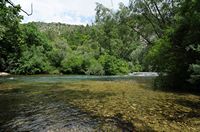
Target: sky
(78,12)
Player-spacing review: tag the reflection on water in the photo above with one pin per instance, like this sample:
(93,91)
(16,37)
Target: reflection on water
(27,104)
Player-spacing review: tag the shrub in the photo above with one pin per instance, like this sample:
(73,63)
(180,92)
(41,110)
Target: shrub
(113,66)
(33,61)
(136,67)
(72,64)
(94,68)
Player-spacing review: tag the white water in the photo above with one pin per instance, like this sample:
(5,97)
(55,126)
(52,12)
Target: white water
(144,74)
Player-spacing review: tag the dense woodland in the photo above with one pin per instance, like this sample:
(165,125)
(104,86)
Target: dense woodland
(145,35)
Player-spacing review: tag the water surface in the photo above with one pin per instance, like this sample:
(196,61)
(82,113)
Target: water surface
(27,103)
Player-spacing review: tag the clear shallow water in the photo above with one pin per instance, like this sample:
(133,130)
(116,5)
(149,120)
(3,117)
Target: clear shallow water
(65,78)
(27,104)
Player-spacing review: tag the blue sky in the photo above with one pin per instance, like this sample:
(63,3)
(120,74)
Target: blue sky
(64,11)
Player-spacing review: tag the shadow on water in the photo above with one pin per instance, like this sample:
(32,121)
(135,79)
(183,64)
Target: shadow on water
(189,110)
(188,103)
(178,91)
(38,108)
(194,105)
(9,107)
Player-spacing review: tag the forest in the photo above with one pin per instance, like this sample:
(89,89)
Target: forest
(145,35)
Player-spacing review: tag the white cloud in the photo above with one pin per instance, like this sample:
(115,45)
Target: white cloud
(65,11)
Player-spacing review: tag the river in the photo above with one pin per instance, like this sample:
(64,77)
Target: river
(25,107)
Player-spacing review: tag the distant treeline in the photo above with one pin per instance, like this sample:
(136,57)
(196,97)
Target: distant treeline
(145,35)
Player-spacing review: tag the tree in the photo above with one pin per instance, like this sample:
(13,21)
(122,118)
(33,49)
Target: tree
(33,61)
(150,18)
(176,54)
(10,36)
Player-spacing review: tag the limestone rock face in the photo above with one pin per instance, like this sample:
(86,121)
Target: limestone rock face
(4,74)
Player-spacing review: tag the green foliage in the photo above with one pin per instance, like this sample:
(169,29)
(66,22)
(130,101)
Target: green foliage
(136,67)
(175,55)
(33,61)
(58,53)
(72,64)
(158,54)
(195,76)
(94,68)
(195,67)
(113,66)
(10,36)
(32,36)
(34,47)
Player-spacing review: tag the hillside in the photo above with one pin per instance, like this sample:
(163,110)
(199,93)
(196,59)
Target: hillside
(74,49)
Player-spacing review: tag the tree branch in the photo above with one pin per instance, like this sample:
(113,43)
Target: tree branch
(147,40)
(154,27)
(158,10)
(12,4)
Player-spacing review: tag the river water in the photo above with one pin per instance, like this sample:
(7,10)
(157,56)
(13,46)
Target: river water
(27,105)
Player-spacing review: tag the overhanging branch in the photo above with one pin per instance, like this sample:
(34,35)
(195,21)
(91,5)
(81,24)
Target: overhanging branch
(12,4)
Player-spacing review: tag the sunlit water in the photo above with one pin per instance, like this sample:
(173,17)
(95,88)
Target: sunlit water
(23,109)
